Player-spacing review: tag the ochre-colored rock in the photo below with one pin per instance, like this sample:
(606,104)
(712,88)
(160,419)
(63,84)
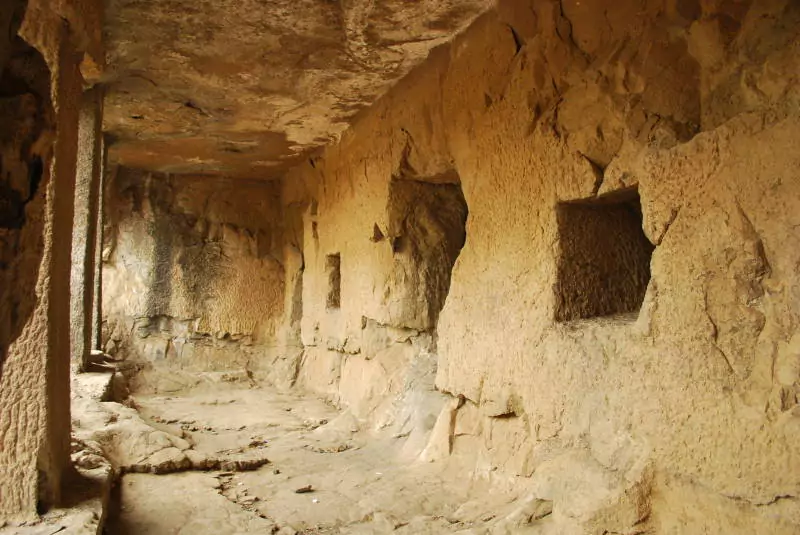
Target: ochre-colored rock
(524,266)
(248,88)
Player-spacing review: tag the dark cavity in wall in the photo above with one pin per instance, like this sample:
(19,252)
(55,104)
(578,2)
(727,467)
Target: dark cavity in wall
(295,259)
(333,270)
(24,111)
(427,230)
(604,262)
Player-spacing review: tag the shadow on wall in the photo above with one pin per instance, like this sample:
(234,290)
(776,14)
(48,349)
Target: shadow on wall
(160,288)
(179,242)
(25,124)
(191,276)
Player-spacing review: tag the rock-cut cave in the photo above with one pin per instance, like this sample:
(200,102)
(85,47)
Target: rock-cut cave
(479,267)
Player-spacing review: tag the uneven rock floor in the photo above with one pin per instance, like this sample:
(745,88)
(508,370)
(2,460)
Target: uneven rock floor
(358,483)
(222,455)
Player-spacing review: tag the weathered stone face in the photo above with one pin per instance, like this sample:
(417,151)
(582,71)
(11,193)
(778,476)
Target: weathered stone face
(621,355)
(40,90)
(246,88)
(25,116)
(192,270)
(562,252)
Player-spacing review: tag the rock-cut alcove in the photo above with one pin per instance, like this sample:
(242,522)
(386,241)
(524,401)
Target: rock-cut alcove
(604,261)
(333,266)
(427,229)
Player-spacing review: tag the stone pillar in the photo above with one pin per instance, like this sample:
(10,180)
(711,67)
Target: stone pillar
(84,235)
(34,374)
(97,305)
(54,455)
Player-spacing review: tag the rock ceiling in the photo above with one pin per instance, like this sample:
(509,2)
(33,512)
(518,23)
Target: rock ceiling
(246,88)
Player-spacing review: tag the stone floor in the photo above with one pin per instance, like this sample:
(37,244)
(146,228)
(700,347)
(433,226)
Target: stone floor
(354,483)
(229,456)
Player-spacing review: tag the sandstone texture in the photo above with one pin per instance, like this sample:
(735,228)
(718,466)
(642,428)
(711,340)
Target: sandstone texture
(41,49)
(247,88)
(192,271)
(477,267)
(558,255)
(669,125)
(88,182)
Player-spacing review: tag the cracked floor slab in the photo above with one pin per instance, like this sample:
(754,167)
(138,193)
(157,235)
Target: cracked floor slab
(359,482)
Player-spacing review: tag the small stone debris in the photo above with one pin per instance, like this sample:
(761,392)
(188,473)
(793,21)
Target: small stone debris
(304,490)
(276,471)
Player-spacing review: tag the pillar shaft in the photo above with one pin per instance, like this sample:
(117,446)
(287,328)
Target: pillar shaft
(84,236)
(34,377)
(97,305)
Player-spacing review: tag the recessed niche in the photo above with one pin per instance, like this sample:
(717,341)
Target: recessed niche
(333,264)
(604,261)
(426,226)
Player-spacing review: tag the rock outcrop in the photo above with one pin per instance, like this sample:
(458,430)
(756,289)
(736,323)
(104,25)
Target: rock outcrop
(641,377)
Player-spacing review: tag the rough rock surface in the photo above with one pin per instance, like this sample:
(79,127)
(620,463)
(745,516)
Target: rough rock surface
(112,433)
(192,273)
(682,414)
(40,86)
(354,482)
(247,88)
(442,283)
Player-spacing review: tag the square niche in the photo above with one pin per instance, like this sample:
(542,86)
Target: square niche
(604,259)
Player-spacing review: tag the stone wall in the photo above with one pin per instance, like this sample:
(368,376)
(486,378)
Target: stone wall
(192,271)
(644,380)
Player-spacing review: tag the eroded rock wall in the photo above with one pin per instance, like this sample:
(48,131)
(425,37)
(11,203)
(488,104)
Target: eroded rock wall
(677,413)
(373,285)
(26,114)
(192,270)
